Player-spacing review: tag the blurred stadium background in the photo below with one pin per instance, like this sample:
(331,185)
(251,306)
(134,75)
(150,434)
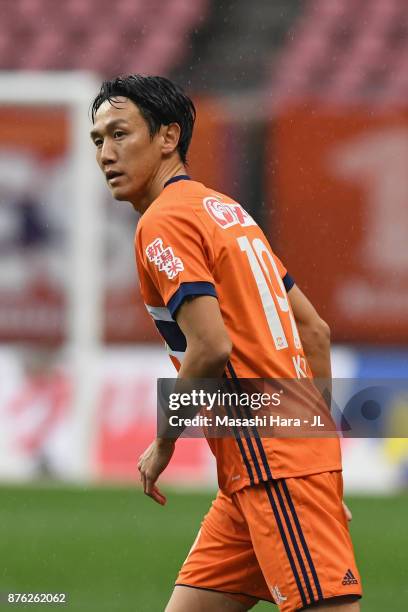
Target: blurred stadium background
(303,117)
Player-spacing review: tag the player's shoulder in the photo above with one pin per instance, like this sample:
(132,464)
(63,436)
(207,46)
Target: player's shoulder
(191,206)
(171,208)
(183,201)
(182,196)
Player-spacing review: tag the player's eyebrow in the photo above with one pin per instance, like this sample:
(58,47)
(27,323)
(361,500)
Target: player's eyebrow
(109,126)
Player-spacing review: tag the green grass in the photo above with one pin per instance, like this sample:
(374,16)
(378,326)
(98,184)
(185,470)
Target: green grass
(112,549)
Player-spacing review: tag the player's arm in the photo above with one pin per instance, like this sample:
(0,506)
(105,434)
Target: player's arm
(208,350)
(314,334)
(189,294)
(208,343)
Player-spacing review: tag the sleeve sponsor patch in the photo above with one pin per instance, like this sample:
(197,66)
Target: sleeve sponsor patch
(164,258)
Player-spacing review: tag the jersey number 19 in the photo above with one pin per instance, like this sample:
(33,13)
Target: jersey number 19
(257,252)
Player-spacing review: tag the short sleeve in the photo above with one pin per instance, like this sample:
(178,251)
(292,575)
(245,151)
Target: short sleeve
(174,253)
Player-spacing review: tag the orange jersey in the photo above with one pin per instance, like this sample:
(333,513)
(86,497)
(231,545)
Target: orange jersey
(195,241)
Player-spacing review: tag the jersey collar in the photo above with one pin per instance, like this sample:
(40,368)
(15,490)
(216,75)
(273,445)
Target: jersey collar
(175,179)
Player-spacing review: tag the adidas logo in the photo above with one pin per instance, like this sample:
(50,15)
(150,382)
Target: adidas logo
(349,578)
(279,598)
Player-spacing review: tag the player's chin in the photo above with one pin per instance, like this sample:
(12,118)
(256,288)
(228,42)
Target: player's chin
(120,194)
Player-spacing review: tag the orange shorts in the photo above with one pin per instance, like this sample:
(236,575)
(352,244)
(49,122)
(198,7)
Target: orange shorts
(284,541)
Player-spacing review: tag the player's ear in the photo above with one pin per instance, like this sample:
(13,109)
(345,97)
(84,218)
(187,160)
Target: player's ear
(171,137)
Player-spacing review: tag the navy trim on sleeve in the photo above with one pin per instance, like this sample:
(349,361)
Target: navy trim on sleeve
(172,334)
(288,281)
(187,289)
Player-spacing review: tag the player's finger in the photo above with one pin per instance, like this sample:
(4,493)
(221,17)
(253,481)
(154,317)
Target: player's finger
(143,480)
(153,491)
(149,485)
(158,497)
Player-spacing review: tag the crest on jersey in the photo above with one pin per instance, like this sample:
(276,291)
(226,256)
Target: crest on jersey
(164,258)
(227,215)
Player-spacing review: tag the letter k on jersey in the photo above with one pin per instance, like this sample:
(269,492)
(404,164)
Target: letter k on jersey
(300,366)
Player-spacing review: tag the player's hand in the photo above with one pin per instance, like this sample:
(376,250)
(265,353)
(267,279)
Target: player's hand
(151,464)
(347,512)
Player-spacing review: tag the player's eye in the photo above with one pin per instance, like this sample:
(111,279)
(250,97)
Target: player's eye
(98,142)
(118,133)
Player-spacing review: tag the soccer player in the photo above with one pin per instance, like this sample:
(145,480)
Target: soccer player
(225,305)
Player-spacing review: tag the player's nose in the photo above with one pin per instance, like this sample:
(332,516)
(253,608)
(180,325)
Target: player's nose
(108,153)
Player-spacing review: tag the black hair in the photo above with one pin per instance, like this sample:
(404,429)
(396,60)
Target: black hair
(159,100)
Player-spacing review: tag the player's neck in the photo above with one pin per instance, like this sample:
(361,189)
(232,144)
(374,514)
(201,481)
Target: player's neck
(165,172)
